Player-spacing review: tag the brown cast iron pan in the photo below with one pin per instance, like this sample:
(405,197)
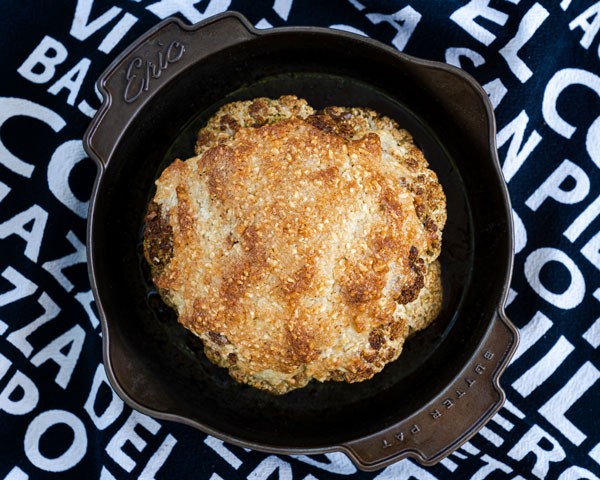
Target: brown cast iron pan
(444,386)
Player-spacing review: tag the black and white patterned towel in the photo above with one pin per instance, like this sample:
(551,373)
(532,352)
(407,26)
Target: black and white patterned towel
(540,63)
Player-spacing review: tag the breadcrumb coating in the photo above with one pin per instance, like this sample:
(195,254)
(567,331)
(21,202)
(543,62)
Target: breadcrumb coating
(299,245)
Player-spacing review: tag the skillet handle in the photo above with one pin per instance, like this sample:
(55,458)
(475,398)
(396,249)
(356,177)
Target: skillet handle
(148,66)
(452,417)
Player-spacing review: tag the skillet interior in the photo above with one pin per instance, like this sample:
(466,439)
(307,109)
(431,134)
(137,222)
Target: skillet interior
(159,364)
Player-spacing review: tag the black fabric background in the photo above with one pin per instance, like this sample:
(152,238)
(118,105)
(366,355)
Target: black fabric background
(553,47)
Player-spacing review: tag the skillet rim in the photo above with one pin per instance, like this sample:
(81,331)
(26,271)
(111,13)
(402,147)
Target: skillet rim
(101,164)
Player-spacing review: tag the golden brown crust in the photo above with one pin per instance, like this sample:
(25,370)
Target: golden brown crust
(158,247)
(303,244)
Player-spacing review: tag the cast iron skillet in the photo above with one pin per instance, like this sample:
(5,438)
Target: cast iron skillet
(445,386)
